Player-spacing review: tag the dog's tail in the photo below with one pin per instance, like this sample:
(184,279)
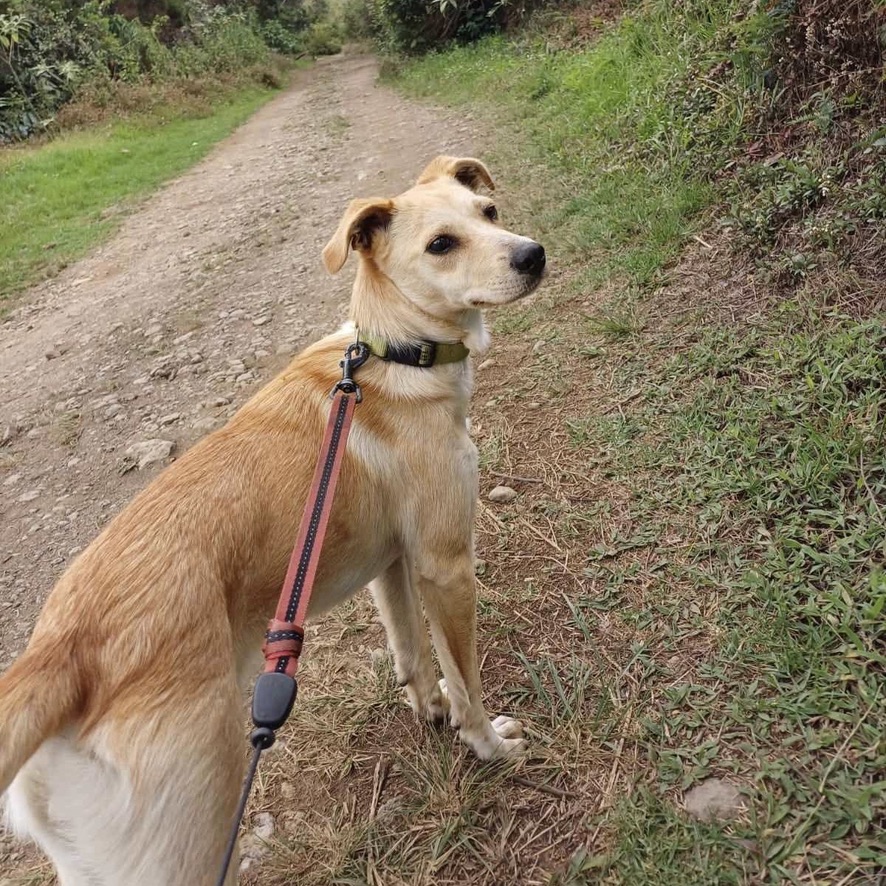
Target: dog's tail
(39,695)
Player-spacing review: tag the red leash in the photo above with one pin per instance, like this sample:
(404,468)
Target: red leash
(286,630)
(276,688)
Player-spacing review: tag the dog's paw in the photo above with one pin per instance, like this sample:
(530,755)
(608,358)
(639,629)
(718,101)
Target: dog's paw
(508,727)
(433,705)
(503,740)
(437,705)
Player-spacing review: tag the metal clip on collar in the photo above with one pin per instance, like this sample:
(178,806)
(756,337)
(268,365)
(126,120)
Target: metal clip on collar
(355,356)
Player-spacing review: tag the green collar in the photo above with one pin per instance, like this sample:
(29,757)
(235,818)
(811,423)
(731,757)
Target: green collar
(424,354)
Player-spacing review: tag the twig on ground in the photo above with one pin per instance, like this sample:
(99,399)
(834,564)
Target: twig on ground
(516,477)
(541,535)
(544,788)
(378,784)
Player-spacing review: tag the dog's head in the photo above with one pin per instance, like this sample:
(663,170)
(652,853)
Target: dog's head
(441,242)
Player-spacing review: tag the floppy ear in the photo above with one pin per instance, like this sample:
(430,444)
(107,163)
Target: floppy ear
(355,230)
(466,170)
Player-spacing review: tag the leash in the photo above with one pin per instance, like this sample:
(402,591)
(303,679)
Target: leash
(276,687)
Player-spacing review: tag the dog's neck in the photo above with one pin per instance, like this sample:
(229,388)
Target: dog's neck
(379,307)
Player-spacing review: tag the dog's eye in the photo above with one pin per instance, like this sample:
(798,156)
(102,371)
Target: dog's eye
(491,213)
(441,245)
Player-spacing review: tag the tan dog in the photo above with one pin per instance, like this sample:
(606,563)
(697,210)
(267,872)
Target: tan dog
(122,722)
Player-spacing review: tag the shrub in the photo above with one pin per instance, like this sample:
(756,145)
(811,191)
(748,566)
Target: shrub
(356,20)
(280,38)
(51,49)
(322,39)
(415,26)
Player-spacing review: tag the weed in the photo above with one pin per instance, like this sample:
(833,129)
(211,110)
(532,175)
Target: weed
(66,428)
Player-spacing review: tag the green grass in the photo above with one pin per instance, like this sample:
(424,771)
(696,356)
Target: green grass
(759,456)
(60,199)
(609,120)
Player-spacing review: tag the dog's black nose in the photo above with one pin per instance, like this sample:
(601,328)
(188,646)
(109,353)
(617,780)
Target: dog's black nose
(529,259)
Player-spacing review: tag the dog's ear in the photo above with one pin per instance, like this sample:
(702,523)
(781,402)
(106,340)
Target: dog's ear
(466,170)
(361,221)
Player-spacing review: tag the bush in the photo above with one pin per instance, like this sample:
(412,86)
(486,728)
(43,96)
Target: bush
(50,49)
(322,39)
(415,26)
(356,20)
(281,39)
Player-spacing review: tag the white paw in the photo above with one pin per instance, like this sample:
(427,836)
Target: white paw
(433,705)
(501,739)
(508,727)
(437,705)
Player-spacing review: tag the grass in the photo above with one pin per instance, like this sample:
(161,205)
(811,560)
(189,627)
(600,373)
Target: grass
(593,117)
(59,199)
(690,584)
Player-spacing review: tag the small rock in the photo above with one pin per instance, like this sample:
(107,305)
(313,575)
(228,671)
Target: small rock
(502,494)
(253,846)
(287,349)
(264,826)
(221,401)
(714,799)
(206,424)
(261,321)
(487,364)
(539,346)
(169,419)
(30,495)
(148,452)
(51,354)
(479,567)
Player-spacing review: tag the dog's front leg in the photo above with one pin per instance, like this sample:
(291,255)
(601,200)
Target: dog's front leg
(399,605)
(448,588)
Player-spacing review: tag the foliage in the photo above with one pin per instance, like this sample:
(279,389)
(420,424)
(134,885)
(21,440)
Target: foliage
(322,38)
(49,49)
(416,26)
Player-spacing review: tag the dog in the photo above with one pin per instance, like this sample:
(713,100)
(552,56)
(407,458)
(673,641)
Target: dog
(121,724)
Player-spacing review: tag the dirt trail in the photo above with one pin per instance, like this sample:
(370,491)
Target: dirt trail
(205,292)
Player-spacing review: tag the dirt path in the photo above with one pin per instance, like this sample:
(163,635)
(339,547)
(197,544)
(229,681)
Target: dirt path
(205,292)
